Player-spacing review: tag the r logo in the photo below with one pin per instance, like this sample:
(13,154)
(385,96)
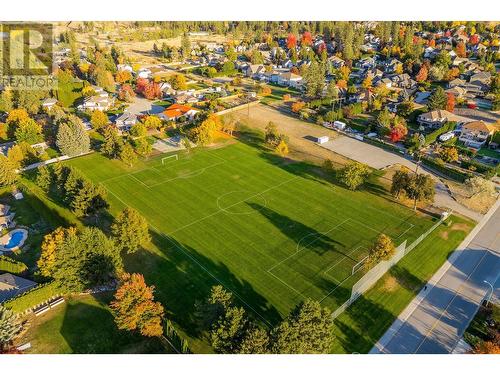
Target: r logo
(27,49)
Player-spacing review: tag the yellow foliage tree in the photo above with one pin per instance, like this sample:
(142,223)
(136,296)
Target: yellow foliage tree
(49,247)
(282,149)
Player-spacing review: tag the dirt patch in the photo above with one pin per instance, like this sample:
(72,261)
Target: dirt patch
(444,234)
(390,284)
(298,131)
(463,227)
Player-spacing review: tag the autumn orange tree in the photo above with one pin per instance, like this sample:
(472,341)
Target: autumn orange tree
(306,39)
(123,76)
(134,307)
(291,41)
(460,50)
(422,74)
(450,102)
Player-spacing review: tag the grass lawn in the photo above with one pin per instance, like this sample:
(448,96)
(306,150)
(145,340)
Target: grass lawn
(277,93)
(84,324)
(273,232)
(359,328)
(70,93)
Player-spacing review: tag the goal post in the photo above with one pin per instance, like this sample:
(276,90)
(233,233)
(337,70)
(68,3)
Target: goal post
(359,265)
(166,159)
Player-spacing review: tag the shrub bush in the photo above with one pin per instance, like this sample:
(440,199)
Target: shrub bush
(11,266)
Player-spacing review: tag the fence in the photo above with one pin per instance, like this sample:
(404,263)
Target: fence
(374,274)
(174,340)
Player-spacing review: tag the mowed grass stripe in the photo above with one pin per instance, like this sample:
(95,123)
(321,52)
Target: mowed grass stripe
(267,208)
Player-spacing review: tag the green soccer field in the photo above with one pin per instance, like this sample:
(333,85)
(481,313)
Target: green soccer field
(274,233)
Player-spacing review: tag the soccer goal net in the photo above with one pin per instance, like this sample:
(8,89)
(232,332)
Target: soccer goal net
(358,265)
(168,159)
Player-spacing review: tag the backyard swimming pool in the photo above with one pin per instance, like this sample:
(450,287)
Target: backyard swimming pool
(13,240)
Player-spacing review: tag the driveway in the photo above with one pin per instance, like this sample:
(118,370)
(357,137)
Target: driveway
(379,158)
(142,106)
(436,319)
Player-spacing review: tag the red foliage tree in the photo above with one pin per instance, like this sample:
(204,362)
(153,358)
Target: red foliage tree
(306,39)
(474,39)
(398,132)
(291,41)
(141,84)
(450,102)
(431,43)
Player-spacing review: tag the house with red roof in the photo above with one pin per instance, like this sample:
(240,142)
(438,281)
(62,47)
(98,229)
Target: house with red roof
(178,111)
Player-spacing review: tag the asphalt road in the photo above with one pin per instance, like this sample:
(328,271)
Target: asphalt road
(437,318)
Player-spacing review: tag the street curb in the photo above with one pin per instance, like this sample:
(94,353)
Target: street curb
(379,346)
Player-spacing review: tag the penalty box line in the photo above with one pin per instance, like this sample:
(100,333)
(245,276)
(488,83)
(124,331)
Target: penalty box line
(183,250)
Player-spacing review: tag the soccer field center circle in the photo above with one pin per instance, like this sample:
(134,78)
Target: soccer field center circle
(239,202)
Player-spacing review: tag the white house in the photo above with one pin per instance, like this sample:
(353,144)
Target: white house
(92,103)
(125,121)
(475,134)
(144,73)
(49,103)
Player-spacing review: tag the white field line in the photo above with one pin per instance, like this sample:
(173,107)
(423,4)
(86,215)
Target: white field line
(236,213)
(299,250)
(232,205)
(193,174)
(182,249)
(344,257)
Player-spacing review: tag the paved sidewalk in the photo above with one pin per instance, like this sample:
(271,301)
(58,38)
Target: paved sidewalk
(436,319)
(378,158)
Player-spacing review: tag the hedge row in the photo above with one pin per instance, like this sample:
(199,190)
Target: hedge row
(447,171)
(487,170)
(431,137)
(33,297)
(11,266)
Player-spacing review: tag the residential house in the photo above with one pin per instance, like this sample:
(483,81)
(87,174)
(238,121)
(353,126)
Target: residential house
(7,221)
(336,62)
(12,286)
(482,78)
(49,103)
(124,67)
(254,70)
(185,97)
(125,121)
(403,81)
(178,111)
(290,79)
(437,118)
(475,134)
(144,73)
(366,63)
(457,92)
(96,102)
(389,66)
(4,209)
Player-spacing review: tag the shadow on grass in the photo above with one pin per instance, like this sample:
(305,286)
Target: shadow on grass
(184,276)
(301,234)
(90,328)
